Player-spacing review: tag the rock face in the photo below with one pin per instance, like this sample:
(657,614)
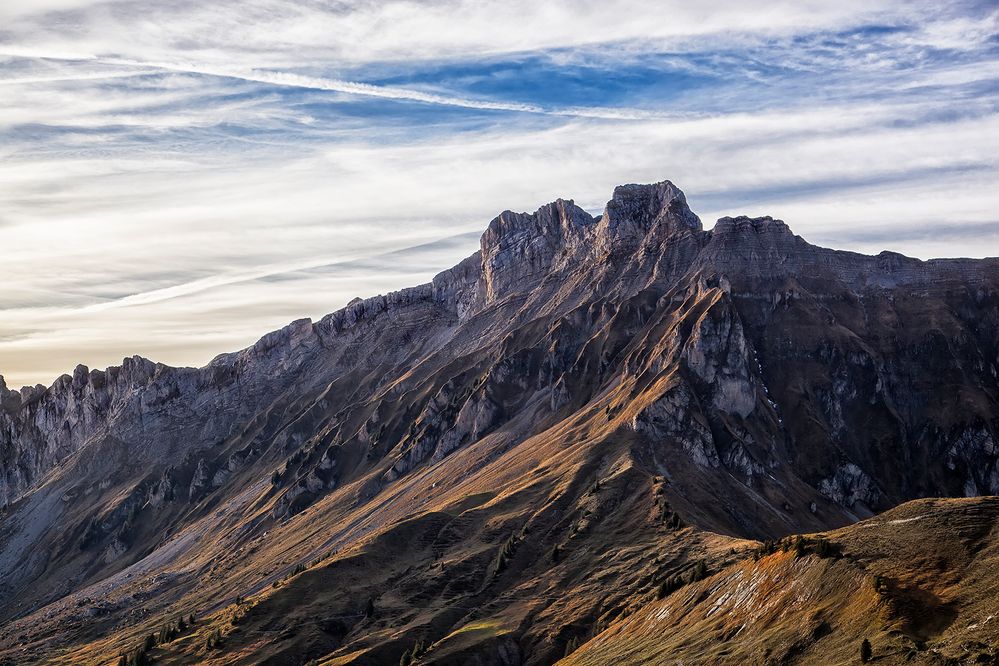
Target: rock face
(40,427)
(772,385)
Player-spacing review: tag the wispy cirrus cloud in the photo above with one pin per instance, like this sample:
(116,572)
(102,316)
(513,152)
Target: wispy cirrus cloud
(178,178)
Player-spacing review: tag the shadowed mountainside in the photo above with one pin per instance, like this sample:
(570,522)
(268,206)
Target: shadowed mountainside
(516,457)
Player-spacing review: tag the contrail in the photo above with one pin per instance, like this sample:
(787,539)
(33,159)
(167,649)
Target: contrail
(291,80)
(94,76)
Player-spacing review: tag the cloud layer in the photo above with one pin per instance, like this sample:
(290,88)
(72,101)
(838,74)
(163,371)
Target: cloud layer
(178,178)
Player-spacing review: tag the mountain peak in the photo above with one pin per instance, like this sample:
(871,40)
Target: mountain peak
(582,398)
(559,219)
(9,400)
(655,203)
(633,211)
(764,224)
(639,211)
(518,246)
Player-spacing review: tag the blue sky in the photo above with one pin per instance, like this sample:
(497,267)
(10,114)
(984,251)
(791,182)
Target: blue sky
(179,177)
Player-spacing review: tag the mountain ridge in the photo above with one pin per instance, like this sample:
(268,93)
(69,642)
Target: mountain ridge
(516,248)
(579,382)
(357,306)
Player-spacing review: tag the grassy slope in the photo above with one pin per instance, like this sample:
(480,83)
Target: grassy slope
(937,599)
(432,574)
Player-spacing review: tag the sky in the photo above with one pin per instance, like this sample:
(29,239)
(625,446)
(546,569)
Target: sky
(178,177)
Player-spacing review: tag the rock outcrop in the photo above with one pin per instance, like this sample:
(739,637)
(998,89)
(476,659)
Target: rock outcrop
(770,386)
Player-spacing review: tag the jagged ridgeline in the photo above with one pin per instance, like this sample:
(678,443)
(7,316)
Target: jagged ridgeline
(563,447)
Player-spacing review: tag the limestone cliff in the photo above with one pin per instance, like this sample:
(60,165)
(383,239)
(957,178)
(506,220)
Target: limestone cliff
(760,384)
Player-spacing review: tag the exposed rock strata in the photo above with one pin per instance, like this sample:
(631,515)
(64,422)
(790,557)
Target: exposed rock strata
(773,385)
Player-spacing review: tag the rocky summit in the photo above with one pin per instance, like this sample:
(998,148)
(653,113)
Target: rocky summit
(621,439)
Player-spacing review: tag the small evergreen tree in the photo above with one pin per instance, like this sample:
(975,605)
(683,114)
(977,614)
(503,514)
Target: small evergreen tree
(699,572)
(865,651)
(669,586)
(214,639)
(768,547)
(556,554)
(167,634)
(149,643)
(406,659)
(369,608)
(672,519)
(505,553)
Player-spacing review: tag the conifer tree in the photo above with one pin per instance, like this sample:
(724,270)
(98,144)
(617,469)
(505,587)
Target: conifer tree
(865,651)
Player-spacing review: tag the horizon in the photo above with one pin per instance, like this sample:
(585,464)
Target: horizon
(179,180)
(477,235)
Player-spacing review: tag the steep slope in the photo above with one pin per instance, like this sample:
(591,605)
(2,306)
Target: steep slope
(594,384)
(918,582)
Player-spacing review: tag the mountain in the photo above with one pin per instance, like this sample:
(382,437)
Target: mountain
(513,463)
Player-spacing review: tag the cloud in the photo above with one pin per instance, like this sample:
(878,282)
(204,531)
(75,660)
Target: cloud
(292,80)
(944,230)
(178,178)
(287,33)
